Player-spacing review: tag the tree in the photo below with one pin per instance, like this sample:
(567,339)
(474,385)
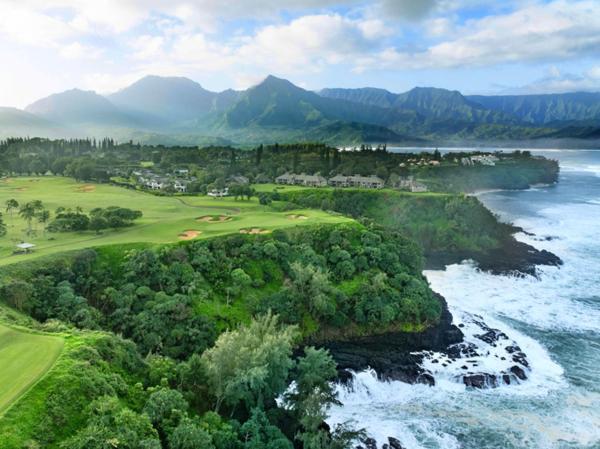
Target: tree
(29,211)
(43,217)
(188,435)
(11,205)
(166,408)
(2,226)
(97,223)
(313,395)
(259,433)
(111,425)
(240,280)
(250,365)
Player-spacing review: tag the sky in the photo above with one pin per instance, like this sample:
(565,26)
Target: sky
(474,46)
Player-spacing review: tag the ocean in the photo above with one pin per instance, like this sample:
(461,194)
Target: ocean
(554,319)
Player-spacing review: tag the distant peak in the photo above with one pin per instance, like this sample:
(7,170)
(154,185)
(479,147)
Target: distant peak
(273,80)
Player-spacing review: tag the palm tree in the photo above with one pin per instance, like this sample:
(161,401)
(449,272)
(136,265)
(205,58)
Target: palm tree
(28,212)
(43,218)
(11,205)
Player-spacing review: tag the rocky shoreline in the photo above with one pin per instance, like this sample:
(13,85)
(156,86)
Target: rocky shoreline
(394,356)
(512,258)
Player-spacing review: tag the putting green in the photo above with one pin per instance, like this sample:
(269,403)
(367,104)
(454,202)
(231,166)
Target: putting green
(24,358)
(165,218)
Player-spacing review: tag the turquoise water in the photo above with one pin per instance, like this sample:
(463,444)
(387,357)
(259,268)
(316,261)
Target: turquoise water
(555,319)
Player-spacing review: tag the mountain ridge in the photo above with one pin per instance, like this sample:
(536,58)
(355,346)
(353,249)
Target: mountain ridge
(276,109)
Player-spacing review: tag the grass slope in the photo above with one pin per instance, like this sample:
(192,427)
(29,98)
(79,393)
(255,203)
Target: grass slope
(165,218)
(25,357)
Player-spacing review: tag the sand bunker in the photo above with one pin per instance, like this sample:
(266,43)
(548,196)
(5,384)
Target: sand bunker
(214,218)
(86,188)
(254,231)
(297,217)
(189,235)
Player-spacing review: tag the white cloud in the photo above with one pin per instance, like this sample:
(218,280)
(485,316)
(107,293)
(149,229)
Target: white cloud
(555,31)
(309,42)
(147,46)
(77,50)
(27,26)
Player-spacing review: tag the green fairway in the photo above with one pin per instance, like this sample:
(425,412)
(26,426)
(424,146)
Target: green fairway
(166,219)
(24,358)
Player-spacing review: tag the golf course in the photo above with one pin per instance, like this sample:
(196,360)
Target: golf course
(165,218)
(24,357)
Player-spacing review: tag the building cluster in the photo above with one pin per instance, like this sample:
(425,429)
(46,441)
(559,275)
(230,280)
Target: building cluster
(368,182)
(420,162)
(484,159)
(301,180)
(409,183)
(153,181)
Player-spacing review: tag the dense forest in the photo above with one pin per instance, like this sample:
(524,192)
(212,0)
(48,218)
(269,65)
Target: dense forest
(216,332)
(102,160)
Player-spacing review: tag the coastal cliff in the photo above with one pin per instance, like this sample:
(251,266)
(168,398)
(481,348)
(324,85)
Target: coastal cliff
(393,355)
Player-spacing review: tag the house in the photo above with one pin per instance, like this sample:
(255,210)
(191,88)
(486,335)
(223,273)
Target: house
(410,184)
(219,193)
(302,180)
(338,181)
(180,185)
(368,182)
(310,180)
(286,178)
(484,159)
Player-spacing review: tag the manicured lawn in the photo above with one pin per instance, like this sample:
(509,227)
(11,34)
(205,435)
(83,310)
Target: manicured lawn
(24,358)
(164,220)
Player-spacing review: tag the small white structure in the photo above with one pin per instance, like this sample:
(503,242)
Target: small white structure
(219,193)
(25,247)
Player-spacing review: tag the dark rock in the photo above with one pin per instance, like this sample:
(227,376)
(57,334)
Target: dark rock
(512,348)
(521,358)
(512,257)
(506,379)
(518,371)
(392,355)
(480,380)
(426,379)
(394,443)
(492,336)
(370,443)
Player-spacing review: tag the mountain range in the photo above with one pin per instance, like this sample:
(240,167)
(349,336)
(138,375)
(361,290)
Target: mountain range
(179,110)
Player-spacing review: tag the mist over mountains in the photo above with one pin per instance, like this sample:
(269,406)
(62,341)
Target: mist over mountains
(179,110)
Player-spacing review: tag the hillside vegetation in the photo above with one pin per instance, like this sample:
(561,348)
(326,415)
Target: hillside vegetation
(182,307)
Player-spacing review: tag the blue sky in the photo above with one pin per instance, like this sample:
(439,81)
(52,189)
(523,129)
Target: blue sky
(475,46)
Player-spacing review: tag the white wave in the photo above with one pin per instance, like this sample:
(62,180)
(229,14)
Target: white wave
(544,412)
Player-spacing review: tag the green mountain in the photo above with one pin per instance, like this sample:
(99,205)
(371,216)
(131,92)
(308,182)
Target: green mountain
(167,109)
(171,99)
(79,107)
(431,104)
(544,109)
(18,123)
(277,102)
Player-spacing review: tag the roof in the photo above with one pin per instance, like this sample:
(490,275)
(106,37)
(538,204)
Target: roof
(25,245)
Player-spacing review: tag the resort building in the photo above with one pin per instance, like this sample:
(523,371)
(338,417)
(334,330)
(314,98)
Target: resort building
(302,180)
(367,182)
